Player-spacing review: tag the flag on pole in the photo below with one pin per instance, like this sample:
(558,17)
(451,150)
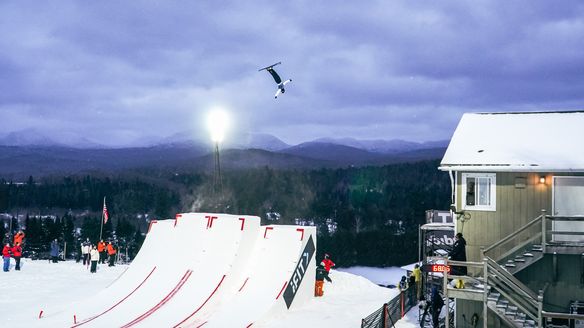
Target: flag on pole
(105,215)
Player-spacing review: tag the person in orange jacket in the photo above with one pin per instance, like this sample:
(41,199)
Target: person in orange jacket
(6,252)
(111,251)
(17,254)
(18,238)
(101,250)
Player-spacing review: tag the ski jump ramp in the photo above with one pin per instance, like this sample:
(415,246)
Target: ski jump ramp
(204,270)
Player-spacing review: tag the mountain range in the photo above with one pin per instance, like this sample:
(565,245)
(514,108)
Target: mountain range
(31,153)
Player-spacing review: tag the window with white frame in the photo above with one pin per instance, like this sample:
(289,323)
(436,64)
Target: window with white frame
(479,191)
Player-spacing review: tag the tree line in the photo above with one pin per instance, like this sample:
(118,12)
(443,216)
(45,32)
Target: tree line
(365,215)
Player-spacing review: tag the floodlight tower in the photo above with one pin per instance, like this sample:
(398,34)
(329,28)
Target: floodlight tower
(217,122)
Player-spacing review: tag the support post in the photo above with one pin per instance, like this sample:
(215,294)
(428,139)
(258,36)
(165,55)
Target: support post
(540,309)
(543,231)
(486,292)
(445,283)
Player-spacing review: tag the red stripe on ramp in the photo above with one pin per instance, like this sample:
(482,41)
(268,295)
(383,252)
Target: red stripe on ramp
(173,292)
(118,303)
(245,282)
(249,325)
(201,306)
(150,225)
(266,231)
(201,325)
(281,290)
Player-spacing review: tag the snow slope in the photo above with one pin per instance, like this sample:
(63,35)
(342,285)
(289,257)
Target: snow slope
(52,287)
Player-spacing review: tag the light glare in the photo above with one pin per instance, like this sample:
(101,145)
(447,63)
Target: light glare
(217,122)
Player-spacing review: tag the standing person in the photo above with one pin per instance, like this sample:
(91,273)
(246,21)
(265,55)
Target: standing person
(437,304)
(17,254)
(319,284)
(458,253)
(85,249)
(111,252)
(94,256)
(101,250)
(403,284)
(327,263)
(55,251)
(417,274)
(18,238)
(6,257)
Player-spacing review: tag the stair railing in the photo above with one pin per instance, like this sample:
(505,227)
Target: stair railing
(534,236)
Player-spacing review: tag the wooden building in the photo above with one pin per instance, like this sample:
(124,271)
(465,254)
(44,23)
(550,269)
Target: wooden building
(518,188)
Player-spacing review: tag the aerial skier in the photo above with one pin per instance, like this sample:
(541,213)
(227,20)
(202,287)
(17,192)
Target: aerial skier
(277,78)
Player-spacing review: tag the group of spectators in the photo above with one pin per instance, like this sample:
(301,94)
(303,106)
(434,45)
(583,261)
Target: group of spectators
(92,254)
(14,251)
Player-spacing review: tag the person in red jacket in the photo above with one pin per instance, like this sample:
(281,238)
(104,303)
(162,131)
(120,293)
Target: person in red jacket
(17,254)
(327,263)
(6,257)
(111,251)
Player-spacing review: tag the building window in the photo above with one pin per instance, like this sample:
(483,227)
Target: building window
(479,191)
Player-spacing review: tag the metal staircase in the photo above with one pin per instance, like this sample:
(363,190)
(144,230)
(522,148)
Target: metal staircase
(495,284)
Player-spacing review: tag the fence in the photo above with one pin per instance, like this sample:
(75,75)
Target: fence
(395,309)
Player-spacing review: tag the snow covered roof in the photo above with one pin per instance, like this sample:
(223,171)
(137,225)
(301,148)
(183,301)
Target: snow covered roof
(528,141)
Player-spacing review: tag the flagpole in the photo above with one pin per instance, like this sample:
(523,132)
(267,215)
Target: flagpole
(101,228)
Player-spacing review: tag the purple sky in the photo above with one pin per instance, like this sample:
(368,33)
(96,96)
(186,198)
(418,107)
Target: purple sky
(119,73)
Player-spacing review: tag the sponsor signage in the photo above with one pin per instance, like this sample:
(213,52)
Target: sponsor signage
(435,268)
(299,272)
(435,216)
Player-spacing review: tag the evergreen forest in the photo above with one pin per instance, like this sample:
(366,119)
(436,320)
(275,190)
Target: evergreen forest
(364,215)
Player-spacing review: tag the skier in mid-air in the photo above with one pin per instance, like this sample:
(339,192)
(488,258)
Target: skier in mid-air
(277,78)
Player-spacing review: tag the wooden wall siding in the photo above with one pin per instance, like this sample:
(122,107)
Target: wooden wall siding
(468,308)
(515,207)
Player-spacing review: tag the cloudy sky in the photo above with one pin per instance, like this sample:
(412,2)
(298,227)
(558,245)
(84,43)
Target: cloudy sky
(122,72)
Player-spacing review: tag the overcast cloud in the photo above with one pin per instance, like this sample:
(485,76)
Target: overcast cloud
(119,72)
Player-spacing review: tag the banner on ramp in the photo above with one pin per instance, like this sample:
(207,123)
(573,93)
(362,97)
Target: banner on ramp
(299,272)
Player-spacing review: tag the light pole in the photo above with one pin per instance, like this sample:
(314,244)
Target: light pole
(217,122)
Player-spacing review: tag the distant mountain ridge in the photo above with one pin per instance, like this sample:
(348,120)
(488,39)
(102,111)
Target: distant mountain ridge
(32,137)
(182,152)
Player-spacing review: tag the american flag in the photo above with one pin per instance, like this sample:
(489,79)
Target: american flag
(105,215)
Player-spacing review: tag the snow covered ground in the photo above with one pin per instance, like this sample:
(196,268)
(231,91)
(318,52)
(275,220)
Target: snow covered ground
(49,287)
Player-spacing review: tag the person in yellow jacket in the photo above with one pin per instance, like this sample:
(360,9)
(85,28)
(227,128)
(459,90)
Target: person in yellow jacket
(111,251)
(417,273)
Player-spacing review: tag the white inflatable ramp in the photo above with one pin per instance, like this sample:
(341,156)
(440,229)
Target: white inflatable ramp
(282,262)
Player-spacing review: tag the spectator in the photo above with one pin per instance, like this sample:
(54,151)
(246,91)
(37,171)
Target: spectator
(458,253)
(17,254)
(403,284)
(6,257)
(18,238)
(85,249)
(437,304)
(417,274)
(102,251)
(111,252)
(55,249)
(94,256)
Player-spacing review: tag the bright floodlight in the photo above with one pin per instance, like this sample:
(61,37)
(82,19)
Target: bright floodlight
(217,122)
